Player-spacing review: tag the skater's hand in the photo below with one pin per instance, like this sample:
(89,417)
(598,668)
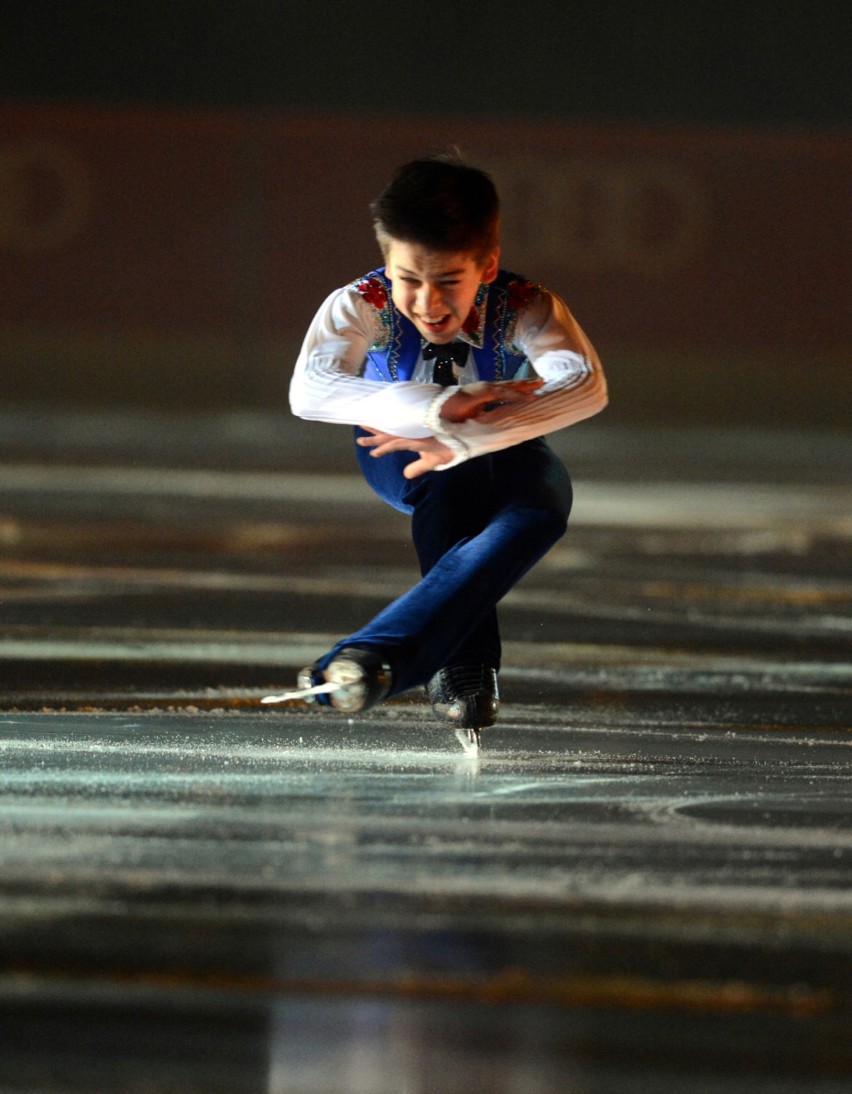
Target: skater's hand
(481,399)
(477,401)
(432,452)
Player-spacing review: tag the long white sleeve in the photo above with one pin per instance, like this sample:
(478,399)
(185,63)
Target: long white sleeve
(574,389)
(327,385)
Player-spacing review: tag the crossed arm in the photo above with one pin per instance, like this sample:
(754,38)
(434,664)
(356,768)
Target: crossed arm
(446,426)
(476,402)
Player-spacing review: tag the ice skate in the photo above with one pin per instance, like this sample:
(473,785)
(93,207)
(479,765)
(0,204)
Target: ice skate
(467,698)
(354,680)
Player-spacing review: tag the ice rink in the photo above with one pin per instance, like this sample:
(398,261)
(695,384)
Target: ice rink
(642,883)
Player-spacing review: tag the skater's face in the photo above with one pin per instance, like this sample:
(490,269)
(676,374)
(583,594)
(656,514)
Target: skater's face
(436,289)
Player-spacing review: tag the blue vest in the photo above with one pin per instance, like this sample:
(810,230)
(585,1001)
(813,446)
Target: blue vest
(490,328)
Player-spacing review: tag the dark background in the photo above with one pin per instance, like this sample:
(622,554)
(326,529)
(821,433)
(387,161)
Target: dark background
(241,141)
(746,63)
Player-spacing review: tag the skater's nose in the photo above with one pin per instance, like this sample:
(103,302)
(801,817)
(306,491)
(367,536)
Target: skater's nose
(429,298)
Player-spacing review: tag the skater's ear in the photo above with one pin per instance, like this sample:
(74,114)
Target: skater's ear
(490,266)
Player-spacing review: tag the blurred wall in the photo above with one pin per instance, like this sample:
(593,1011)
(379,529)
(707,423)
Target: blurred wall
(156,256)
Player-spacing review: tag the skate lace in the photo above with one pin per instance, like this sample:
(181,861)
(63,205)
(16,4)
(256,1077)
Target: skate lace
(462,680)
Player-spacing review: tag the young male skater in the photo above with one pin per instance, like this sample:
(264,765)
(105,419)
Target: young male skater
(452,369)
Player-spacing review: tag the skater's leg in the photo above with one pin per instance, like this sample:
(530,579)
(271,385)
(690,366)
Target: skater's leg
(418,633)
(456,506)
(451,507)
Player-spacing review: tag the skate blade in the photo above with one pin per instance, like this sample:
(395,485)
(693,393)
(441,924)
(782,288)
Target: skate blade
(301,693)
(470,741)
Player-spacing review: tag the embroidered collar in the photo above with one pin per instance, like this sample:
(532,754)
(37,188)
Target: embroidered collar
(473,328)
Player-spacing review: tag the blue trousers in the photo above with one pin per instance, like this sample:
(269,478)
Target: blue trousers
(477,529)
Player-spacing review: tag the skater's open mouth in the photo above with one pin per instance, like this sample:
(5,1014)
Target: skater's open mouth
(436,326)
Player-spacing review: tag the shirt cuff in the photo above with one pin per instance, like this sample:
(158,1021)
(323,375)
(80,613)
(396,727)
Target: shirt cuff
(437,426)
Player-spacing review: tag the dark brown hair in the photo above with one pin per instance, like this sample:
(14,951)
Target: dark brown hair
(441,203)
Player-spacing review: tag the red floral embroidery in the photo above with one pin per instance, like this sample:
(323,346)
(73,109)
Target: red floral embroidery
(471,324)
(373,292)
(520,293)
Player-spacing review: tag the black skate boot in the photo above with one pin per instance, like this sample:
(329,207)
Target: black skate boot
(467,698)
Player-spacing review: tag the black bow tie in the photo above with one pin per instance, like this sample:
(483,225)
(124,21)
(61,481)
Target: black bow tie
(445,356)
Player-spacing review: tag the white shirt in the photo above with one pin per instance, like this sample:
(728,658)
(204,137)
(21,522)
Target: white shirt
(328,385)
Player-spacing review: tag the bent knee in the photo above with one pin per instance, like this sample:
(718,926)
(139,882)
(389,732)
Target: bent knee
(547,523)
